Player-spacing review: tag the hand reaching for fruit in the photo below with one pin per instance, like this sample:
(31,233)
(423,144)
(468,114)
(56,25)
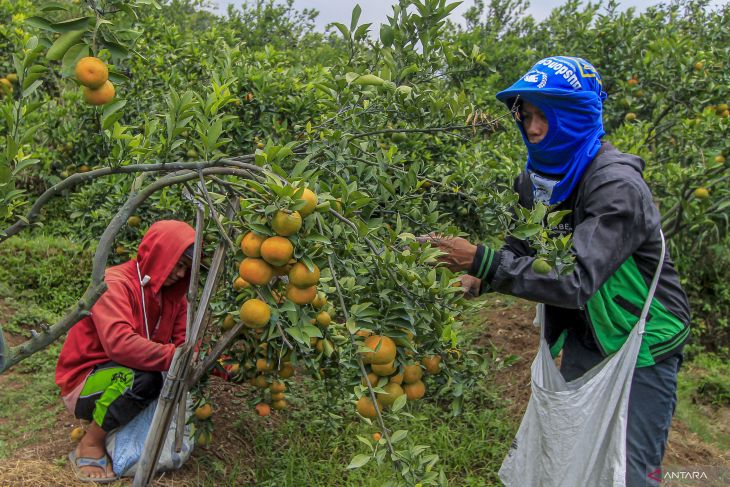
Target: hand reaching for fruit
(459,252)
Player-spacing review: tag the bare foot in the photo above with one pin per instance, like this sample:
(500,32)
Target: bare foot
(92,446)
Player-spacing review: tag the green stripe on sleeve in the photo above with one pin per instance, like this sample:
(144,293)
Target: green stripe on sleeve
(485,269)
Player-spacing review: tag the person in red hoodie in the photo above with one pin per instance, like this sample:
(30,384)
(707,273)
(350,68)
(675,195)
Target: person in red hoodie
(110,367)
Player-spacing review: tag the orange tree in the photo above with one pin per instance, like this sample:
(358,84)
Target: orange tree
(317,160)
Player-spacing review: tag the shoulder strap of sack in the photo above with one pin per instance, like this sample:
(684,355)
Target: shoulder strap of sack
(652,289)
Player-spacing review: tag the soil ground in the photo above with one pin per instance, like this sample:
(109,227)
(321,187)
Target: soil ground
(509,329)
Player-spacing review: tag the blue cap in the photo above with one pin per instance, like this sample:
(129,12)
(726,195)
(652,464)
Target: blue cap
(555,76)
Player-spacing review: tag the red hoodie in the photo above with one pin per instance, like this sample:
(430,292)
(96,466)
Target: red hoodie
(116,330)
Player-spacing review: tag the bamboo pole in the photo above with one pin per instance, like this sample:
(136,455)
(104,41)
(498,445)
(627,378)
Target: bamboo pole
(180,369)
(172,388)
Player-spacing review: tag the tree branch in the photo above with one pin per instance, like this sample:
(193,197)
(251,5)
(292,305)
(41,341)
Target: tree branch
(78,178)
(97,286)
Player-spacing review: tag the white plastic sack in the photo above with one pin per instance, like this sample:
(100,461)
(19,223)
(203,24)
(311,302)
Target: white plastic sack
(125,444)
(574,433)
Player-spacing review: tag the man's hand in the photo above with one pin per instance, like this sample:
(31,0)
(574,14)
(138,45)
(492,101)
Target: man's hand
(459,251)
(471,285)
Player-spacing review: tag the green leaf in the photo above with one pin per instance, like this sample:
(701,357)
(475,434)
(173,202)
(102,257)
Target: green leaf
(72,24)
(40,23)
(386,35)
(554,218)
(53,6)
(361,31)
(72,56)
(111,113)
(355,16)
(399,403)
(398,435)
(358,461)
(538,214)
(343,29)
(526,231)
(63,43)
(117,50)
(24,164)
(29,90)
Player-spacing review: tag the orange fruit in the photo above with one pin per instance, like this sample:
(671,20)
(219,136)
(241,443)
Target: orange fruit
(392,392)
(300,276)
(286,371)
(277,251)
(432,364)
(255,313)
(77,433)
(363,333)
(377,436)
(204,412)
(323,319)
(263,365)
(319,301)
(286,223)
(385,369)
(263,409)
(366,408)
(251,244)
(385,354)
(373,379)
(278,386)
(320,347)
(301,296)
(278,396)
(279,405)
(260,382)
(134,221)
(415,391)
(6,87)
(100,96)
(240,283)
(91,72)
(397,378)
(255,271)
(205,438)
(310,204)
(702,193)
(228,322)
(412,373)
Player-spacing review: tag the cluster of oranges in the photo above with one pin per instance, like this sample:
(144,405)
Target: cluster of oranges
(267,260)
(93,73)
(405,380)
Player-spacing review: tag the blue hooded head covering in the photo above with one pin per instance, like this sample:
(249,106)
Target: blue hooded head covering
(569,91)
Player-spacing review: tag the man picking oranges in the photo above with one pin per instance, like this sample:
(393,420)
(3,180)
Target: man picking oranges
(590,312)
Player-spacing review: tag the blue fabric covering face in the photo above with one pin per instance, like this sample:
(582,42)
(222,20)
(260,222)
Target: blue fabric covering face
(569,92)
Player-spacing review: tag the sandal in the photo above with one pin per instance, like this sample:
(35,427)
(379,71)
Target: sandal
(78,462)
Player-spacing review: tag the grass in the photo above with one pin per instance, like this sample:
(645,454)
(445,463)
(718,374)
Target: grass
(704,388)
(303,449)
(29,403)
(39,278)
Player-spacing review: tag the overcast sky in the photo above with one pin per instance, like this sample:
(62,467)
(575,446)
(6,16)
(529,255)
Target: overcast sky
(375,11)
